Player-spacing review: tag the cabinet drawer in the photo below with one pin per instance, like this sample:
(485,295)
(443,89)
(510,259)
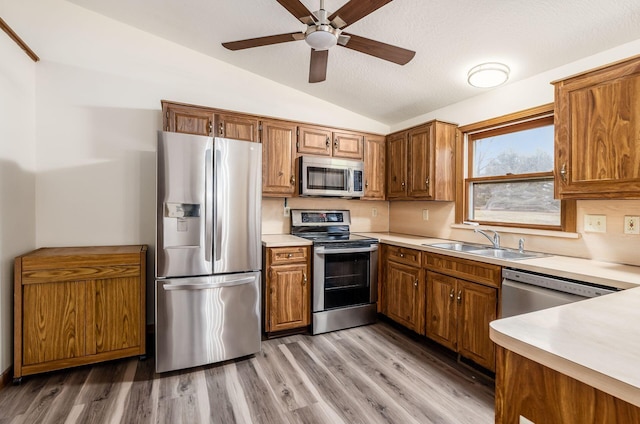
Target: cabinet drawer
(404,255)
(479,272)
(287,255)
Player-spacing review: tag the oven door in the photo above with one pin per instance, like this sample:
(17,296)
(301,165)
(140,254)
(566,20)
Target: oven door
(344,277)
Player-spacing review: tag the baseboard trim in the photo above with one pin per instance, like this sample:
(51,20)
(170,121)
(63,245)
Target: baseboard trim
(5,377)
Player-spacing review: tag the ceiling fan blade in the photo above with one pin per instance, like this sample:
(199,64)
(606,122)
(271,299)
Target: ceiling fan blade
(263,41)
(299,10)
(355,10)
(378,49)
(318,68)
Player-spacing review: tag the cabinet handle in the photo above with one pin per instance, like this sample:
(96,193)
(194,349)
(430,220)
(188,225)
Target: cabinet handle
(426,182)
(415,284)
(328,142)
(459,296)
(210,127)
(221,129)
(403,184)
(452,293)
(366,184)
(304,278)
(335,144)
(563,172)
(290,255)
(292,180)
(401,255)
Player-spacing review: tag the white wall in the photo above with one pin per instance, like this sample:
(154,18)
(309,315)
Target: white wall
(17,177)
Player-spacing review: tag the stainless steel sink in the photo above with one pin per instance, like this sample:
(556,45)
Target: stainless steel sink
(457,246)
(506,254)
(486,251)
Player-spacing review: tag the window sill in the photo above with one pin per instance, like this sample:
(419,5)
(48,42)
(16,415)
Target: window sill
(528,231)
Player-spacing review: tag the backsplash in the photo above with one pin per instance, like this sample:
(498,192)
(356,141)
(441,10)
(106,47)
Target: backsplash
(362,213)
(611,246)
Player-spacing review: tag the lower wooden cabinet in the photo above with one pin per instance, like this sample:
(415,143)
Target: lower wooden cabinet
(287,293)
(458,316)
(79,305)
(403,297)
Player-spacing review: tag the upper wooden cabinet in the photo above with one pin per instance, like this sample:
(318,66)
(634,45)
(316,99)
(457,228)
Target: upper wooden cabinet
(200,120)
(421,162)
(237,126)
(278,159)
(187,119)
(322,141)
(597,133)
(374,166)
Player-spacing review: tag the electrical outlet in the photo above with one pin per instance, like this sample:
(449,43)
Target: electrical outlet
(632,224)
(425,214)
(595,223)
(287,211)
(374,211)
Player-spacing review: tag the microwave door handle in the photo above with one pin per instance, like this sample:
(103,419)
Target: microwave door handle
(349,178)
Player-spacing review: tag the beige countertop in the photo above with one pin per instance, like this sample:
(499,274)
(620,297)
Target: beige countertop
(595,341)
(283,240)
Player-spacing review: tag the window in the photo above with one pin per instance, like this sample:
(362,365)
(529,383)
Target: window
(509,179)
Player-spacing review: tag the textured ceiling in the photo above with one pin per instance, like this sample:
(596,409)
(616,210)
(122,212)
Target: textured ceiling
(449,37)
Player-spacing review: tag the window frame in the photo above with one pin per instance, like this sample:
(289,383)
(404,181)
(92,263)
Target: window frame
(519,121)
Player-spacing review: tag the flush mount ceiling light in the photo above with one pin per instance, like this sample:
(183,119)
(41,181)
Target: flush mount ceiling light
(487,75)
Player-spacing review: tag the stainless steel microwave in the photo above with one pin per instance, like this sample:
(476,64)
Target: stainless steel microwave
(320,176)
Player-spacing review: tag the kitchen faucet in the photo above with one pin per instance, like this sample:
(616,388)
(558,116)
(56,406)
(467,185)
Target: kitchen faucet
(495,240)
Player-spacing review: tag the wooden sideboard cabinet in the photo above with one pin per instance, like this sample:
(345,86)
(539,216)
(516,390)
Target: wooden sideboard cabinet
(78,305)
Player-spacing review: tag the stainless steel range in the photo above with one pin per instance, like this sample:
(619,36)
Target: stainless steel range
(345,269)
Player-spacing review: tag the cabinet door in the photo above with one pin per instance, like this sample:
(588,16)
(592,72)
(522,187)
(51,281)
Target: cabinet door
(477,306)
(404,296)
(420,162)
(374,167)
(348,145)
(188,120)
(238,127)
(597,118)
(278,153)
(397,165)
(53,321)
(314,141)
(113,314)
(441,309)
(289,301)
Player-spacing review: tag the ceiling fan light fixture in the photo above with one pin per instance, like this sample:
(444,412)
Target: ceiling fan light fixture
(488,75)
(322,37)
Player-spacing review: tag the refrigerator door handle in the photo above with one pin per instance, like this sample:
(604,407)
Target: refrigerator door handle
(208,286)
(208,205)
(217,215)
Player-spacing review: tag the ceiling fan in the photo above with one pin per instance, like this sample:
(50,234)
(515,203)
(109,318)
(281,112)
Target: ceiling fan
(324,32)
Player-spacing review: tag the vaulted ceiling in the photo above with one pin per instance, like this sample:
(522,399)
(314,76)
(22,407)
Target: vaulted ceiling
(448,36)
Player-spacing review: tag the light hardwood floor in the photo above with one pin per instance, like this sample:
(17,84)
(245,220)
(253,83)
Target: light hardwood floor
(372,374)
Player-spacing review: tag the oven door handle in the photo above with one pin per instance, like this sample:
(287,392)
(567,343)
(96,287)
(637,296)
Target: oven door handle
(324,251)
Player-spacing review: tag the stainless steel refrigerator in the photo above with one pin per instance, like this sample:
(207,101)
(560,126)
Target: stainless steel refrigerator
(208,250)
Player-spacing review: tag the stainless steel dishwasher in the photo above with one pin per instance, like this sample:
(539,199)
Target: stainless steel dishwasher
(526,291)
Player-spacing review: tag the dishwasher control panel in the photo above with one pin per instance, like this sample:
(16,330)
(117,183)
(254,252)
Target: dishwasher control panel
(578,288)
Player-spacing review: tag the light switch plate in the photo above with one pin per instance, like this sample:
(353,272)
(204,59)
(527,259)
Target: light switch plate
(595,223)
(425,214)
(632,224)
(374,211)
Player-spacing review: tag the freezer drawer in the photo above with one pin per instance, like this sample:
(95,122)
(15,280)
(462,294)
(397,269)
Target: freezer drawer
(203,320)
